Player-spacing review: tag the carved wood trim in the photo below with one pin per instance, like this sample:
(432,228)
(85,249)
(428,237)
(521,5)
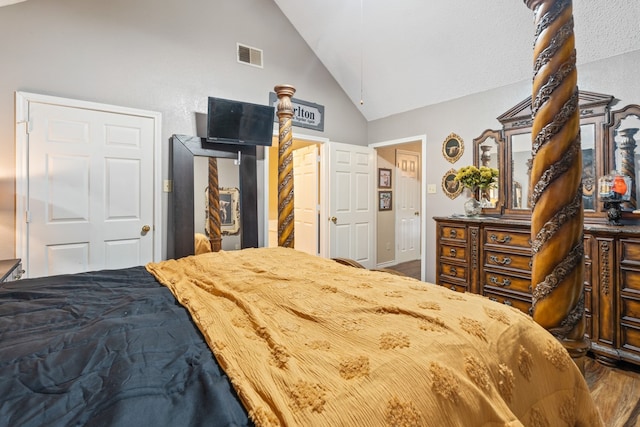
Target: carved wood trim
(285,166)
(558,261)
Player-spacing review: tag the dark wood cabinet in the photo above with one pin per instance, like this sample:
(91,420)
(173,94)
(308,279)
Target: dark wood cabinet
(492,257)
(491,254)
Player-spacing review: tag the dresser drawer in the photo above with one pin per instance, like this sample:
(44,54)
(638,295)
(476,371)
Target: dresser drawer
(507,237)
(458,287)
(498,280)
(630,252)
(456,271)
(453,232)
(453,252)
(507,260)
(630,280)
(630,310)
(521,305)
(630,338)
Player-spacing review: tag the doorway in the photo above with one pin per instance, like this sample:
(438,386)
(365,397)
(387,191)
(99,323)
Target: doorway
(399,231)
(345,207)
(307,160)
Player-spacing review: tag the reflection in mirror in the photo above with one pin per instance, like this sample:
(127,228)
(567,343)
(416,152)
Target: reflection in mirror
(488,151)
(627,155)
(489,157)
(520,170)
(228,184)
(588,141)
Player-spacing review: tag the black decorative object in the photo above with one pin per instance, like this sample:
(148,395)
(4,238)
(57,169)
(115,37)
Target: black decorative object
(614,189)
(614,211)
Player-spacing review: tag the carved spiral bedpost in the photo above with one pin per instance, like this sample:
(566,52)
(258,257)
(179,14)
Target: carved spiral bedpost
(285,166)
(215,236)
(556,189)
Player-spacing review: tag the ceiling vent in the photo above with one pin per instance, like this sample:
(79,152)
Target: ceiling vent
(249,55)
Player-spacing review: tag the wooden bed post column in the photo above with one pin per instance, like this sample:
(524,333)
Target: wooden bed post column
(556,179)
(215,236)
(285,166)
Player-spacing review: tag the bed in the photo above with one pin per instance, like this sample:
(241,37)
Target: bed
(297,339)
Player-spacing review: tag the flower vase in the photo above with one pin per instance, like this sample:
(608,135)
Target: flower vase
(485,201)
(472,206)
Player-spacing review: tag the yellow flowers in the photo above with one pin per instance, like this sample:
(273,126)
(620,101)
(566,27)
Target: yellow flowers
(473,177)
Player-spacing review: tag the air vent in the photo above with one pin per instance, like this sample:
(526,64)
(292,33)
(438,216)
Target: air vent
(249,55)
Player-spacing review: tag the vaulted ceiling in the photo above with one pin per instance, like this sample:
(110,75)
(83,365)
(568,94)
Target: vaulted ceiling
(396,56)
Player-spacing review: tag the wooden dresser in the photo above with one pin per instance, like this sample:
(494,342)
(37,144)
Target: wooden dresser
(492,257)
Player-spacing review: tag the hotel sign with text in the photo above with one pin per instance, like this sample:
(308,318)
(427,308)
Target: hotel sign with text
(305,114)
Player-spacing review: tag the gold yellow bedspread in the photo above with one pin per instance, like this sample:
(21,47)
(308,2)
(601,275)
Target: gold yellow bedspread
(309,342)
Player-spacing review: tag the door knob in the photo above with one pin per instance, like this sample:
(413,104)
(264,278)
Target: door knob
(333,219)
(416,213)
(145,229)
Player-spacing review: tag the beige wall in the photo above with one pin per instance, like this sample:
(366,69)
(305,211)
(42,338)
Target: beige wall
(159,55)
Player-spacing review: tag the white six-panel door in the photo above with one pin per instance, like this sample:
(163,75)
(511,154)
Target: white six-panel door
(407,205)
(351,203)
(90,202)
(305,201)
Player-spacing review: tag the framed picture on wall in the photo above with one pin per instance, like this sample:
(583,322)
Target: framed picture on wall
(384,178)
(450,186)
(384,201)
(452,147)
(229,211)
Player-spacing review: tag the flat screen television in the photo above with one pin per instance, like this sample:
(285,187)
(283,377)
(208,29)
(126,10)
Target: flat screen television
(236,122)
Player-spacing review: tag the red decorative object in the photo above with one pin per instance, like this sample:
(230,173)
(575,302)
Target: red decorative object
(619,186)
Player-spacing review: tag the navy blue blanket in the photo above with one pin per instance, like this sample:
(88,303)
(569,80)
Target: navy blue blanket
(106,348)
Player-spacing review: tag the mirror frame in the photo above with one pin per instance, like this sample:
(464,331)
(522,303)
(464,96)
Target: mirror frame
(477,142)
(452,141)
(594,108)
(615,120)
(180,221)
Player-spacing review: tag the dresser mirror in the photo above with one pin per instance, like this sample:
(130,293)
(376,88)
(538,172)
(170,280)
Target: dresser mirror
(589,173)
(623,136)
(188,155)
(596,152)
(229,185)
(488,150)
(520,166)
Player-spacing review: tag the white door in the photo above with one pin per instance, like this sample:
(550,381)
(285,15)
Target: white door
(305,200)
(90,191)
(352,203)
(407,205)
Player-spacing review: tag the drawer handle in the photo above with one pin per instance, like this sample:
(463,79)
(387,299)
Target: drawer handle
(453,252)
(505,239)
(453,288)
(494,280)
(493,299)
(504,261)
(453,233)
(453,271)
(507,302)
(530,263)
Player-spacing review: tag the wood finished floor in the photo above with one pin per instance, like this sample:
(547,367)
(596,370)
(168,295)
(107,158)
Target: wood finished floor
(616,391)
